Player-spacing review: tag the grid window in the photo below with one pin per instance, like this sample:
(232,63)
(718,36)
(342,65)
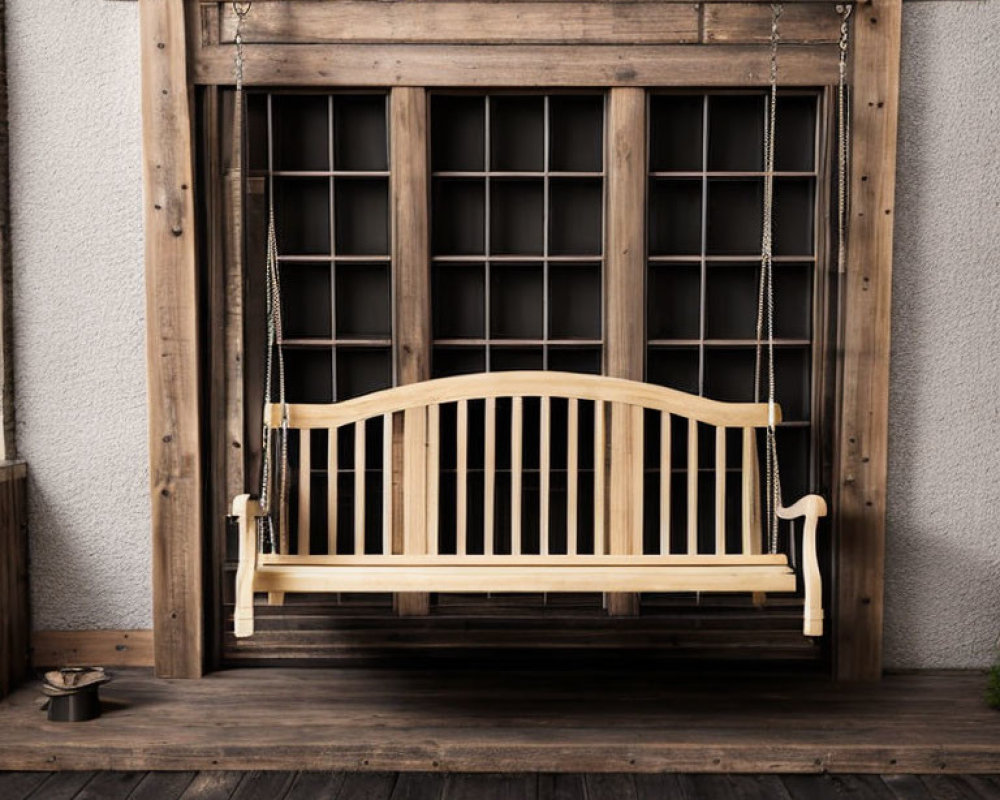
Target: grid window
(706,187)
(517,231)
(326,160)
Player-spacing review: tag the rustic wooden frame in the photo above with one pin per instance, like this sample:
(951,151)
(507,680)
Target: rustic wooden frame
(182,46)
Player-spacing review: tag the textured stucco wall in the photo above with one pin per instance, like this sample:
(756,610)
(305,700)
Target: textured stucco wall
(78,253)
(78,308)
(943,552)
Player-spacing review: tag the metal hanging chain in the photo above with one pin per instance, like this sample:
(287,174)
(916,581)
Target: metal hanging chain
(274,333)
(843,138)
(274,347)
(240,10)
(765,298)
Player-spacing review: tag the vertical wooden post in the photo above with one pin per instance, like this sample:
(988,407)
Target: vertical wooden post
(8,444)
(862,462)
(410,257)
(172,342)
(625,262)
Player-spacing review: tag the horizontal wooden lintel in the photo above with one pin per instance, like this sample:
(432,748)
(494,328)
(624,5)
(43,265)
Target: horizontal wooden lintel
(517,65)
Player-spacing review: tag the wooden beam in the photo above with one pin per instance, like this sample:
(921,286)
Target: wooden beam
(8,443)
(862,462)
(131,648)
(624,279)
(15,622)
(476,22)
(381,65)
(175,447)
(410,261)
(750,23)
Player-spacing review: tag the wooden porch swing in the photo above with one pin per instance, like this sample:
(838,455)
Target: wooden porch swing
(432,422)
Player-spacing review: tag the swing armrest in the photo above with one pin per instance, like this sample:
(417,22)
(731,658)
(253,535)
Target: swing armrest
(812,507)
(246,510)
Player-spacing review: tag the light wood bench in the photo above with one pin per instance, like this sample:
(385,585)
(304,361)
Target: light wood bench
(412,561)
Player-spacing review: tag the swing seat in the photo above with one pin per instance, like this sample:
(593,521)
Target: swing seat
(415,540)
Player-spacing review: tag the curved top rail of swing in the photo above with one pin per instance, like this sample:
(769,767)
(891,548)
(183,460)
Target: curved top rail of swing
(535,383)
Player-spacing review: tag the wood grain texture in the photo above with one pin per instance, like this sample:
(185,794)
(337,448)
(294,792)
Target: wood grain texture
(516,65)
(8,443)
(624,301)
(15,622)
(502,719)
(429,22)
(175,445)
(409,195)
(110,648)
(750,23)
(264,785)
(863,434)
(530,383)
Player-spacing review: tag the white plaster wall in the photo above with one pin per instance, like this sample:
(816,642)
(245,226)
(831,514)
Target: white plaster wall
(77,235)
(78,300)
(943,550)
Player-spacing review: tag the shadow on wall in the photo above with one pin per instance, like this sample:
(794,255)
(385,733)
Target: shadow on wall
(942,559)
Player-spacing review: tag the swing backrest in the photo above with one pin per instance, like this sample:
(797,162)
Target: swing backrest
(503,463)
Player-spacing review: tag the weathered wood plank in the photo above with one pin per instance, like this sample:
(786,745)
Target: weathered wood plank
(263,785)
(175,447)
(750,23)
(113,648)
(110,786)
(8,442)
(418,786)
(15,622)
(624,279)
(160,786)
(374,21)
(410,248)
(610,720)
(863,435)
(212,786)
(517,65)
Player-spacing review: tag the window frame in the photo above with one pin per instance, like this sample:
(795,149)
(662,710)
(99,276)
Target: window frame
(182,47)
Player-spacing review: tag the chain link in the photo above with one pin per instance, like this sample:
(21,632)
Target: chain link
(765,297)
(843,138)
(240,10)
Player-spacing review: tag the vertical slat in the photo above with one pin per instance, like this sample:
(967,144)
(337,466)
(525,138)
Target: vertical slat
(414,481)
(461,476)
(625,534)
(305,489)
(572,476)
(489,475)
(600,530)
(387,514)
(666,479)
(625,265)
(359,487)
(332,479)
(748,516)
(692,488)
(410,242)
(516,445)
(720,490)
(544,472)
(433,475)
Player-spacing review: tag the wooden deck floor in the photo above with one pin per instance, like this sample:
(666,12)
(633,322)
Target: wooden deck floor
(552,720)
(223,785)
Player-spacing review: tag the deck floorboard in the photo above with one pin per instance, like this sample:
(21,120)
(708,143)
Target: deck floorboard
(458,720)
